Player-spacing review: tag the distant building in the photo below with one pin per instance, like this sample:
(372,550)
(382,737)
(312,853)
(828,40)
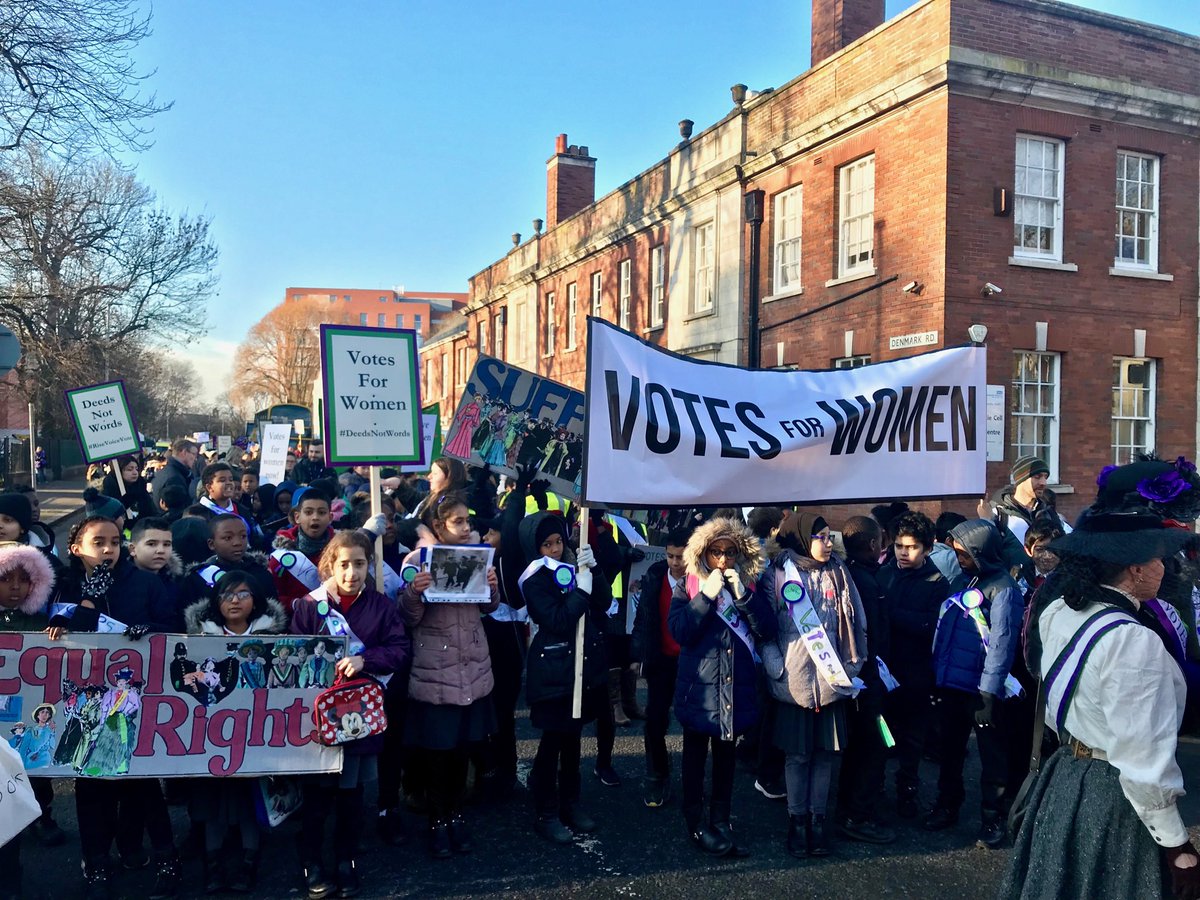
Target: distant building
(423,311)
(1026,165)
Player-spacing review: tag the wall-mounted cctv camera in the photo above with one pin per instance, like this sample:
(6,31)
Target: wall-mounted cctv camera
(913,287)
(989,289)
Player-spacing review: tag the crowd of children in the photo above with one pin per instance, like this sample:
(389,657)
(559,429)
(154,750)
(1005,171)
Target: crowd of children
(761,631)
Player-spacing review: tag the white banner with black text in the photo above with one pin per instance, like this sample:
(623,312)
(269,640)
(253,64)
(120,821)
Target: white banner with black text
(665,430)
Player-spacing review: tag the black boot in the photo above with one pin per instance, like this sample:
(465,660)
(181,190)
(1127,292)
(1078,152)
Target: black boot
(906,802)
(348,884)
(439,839)
(718,814)
(214,872)
(166,877)
(550,827)
(460,834)
(97,876)
(818,836)
(797,836)
(315,882)
(242,878)
(704,836)
(391,827)
(576,819)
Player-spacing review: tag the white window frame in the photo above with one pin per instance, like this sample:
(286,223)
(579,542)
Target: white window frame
(597,295)
(572,313)
(1035,205)
(481,335)
(658,285)
(787,226)
(461,367)
(1027,420)
(381,320)
(548,333)
(500,334)
(856,218)
(625,303)
(852,362)
(399,320)
(362,319)
(1123,209)
(1125,408)
(445,385)
(704,267)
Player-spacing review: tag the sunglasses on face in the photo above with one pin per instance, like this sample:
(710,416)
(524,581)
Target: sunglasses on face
(722,554)
(243,595)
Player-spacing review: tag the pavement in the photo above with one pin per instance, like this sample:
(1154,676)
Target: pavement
(637,852)
(60,501)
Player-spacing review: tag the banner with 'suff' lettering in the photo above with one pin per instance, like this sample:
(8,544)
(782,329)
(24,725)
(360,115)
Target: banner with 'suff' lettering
(509,417)
(103,706)
(666,430)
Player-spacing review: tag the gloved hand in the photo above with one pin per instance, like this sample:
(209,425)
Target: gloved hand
(583,580)
(480,474)
(734,582)
(983,715)
(136,632)
(526,474)
(1184,865)
(712,585)
(376,525)
(636,555)
(538,490)
(585,559)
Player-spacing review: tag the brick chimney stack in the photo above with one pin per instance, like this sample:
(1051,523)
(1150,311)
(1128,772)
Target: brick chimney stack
(570,181)
(837,23)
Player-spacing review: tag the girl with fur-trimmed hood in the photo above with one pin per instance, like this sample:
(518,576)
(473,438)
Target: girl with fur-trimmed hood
(26,584)
(715,617)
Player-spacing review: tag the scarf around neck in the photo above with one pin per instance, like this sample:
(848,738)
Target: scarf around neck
(310,546)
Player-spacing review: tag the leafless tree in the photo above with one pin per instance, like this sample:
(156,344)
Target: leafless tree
(91,269)
(66,75)
(281,355)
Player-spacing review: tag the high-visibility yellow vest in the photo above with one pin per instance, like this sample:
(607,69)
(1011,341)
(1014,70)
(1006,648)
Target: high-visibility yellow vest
(618,583)
(554,503)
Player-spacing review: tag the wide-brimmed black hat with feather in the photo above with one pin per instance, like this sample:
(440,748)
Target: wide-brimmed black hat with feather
(1143,511)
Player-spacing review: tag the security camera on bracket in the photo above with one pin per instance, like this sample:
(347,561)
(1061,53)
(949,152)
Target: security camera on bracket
(989,290)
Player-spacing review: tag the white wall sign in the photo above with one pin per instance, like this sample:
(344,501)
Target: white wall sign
(995,423)
(224,443)
(920,339)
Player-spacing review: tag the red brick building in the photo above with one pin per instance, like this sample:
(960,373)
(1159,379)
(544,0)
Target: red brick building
(425,312)
(1026,165)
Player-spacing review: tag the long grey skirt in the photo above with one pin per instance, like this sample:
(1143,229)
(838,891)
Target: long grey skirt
(1081,838)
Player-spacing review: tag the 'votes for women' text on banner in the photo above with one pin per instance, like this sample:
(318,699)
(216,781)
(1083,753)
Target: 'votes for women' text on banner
(103,421)
(103,706)
(665,430)
(509,417)
(372,396)
(272,465)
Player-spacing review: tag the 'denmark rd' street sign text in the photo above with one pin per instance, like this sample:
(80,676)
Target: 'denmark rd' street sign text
(372,396)
(103,421)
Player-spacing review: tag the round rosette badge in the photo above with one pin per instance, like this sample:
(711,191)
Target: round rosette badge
(973,598)
(564,577)
(793,591)
(287,560)
(408,574)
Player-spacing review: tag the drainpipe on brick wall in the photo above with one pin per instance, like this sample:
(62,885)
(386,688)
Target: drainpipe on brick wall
(754,217)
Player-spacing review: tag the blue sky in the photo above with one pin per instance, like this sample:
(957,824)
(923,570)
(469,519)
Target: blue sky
(372,144)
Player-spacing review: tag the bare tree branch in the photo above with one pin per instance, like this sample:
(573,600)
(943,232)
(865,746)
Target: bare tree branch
(66,76)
